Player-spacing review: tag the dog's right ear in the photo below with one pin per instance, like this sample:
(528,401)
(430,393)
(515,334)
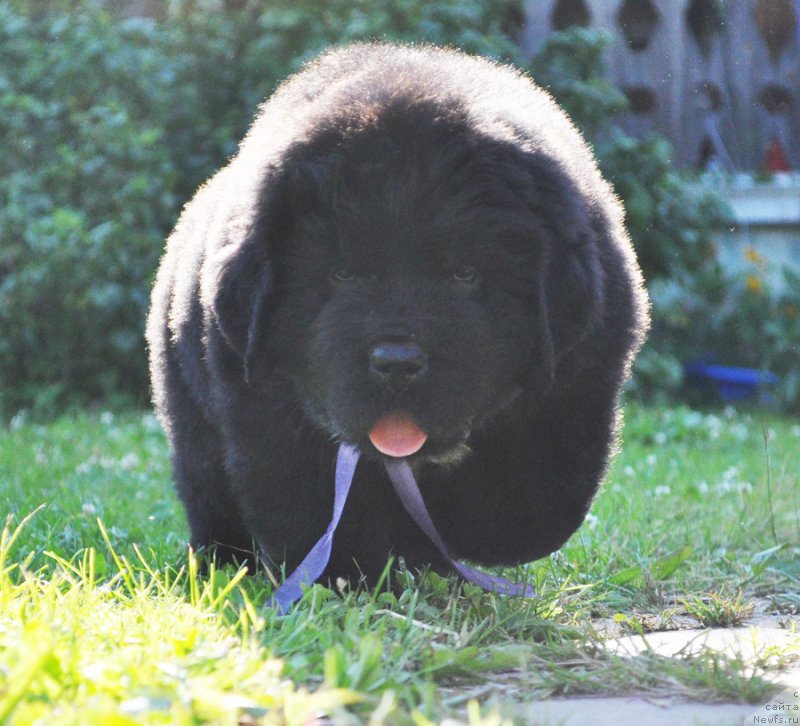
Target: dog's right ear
(239,288)
(242,292)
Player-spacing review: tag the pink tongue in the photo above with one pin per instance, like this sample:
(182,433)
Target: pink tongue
(397,435)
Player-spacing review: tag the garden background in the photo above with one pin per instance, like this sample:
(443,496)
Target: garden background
(109,123)
(111,114)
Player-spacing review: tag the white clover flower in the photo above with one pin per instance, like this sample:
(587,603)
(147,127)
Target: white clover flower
(18,420)
(739,431)
(732,482)
(83,468)
(150,423)
(730,473)
(129,461)
(662,490)
(714,426)
(693,419)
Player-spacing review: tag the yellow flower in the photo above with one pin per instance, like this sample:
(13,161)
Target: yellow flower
(753,284)
(752,255)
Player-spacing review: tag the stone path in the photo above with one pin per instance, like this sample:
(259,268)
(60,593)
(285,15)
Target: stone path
(631,712)
(756,639)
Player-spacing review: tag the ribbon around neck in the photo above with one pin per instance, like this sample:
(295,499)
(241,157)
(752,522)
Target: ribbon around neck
(405,484)
(316,560)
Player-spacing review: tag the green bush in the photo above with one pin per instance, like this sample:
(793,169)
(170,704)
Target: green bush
(732,319)
(86,189)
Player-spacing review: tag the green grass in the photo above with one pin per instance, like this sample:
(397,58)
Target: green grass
(104,619)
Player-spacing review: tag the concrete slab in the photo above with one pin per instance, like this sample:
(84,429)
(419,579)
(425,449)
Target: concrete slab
(762,648)
(771,651)
(630,712)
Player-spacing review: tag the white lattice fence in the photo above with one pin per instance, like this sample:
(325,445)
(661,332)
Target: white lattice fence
(720,78)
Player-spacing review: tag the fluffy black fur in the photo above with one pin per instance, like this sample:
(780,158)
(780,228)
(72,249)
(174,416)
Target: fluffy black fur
(391,193)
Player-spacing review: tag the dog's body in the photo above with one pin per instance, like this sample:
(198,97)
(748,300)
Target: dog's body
(413,252)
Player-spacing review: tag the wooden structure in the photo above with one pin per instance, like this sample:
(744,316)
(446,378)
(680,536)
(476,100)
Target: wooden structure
(719,78)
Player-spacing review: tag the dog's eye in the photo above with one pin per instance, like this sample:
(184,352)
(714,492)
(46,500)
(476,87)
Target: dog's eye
(466,275)
(343,274)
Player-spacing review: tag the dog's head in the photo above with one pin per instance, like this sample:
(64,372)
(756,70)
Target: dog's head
(413,273)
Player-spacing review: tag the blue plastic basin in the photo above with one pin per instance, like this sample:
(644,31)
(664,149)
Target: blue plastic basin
(731,383)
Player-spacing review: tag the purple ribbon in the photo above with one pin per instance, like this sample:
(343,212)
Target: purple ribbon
(316,560)
(407,489)
(405,484)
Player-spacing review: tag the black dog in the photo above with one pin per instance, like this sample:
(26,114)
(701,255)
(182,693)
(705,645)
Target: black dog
(414,253)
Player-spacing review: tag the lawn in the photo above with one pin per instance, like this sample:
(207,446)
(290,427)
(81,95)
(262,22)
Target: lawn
(104,619)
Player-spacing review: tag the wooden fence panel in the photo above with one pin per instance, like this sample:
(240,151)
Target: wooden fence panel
(719,78)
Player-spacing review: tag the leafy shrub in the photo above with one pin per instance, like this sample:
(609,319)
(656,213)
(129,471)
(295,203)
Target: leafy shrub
(733,319)
(86,187)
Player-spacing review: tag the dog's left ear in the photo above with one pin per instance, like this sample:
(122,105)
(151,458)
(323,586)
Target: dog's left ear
(574,287)
(567,300)
(571,286)
(543,371)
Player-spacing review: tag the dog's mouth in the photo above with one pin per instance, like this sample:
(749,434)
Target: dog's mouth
(397,435)
(404,432)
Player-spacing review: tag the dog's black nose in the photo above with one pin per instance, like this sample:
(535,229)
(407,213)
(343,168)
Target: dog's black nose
(397,363)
